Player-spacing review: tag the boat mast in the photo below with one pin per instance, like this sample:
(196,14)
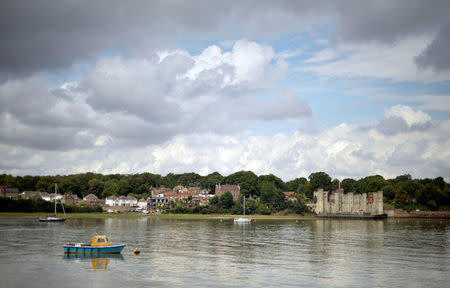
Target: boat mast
(56,189)
(244,205)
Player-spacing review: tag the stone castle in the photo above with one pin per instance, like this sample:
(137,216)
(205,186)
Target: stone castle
(336,203)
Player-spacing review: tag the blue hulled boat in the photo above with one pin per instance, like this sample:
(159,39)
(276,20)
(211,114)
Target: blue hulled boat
(99,245)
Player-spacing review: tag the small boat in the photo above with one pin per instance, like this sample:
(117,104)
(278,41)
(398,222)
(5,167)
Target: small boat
(99,245)
(242,220)
(53,218)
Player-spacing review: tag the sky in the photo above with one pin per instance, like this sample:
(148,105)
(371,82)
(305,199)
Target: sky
(351,88)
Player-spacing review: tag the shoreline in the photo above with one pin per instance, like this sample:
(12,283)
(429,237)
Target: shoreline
(197,216)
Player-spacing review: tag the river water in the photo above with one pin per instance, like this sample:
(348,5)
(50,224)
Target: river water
(215,253)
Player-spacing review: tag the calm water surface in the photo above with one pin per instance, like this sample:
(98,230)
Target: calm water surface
(210,253)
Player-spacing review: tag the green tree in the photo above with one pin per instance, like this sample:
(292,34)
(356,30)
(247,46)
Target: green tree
(401,196)
(125,187)
(318,180)
(111,187)
(214,200)
(247,180)
(210,181)
(348,185)
(96,187)
(293,185)
(226,200)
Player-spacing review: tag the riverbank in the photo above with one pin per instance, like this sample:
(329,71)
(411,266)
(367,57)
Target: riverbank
(162,216)
(400,213)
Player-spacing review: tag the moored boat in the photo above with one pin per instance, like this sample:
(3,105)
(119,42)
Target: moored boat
(242,220)
(99,245)
(53,218)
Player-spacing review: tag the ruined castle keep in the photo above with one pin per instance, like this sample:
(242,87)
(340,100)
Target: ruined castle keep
(336,203)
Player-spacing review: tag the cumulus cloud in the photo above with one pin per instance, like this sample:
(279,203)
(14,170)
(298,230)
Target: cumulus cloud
(403,119)
(137,101)
(342,151)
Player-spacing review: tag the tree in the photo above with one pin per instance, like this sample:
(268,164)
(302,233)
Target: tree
(124,186)
(96,187)
(318,180)
(372,183)
(210,181)
(226,200)
(247,180)
(388,191)
(214,200)
(272,196)
(111,187)
(401,196)
(293,185)
(348,185)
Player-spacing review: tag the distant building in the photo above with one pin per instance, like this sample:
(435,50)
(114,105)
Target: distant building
(69,199)
(9,192)
(158,200)
(154,191)
(142,204)
(111,201)
(235,190)
(30,195)
(289,195)
(128,201)
(91,200)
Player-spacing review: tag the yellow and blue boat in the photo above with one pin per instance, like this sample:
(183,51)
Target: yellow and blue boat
(99,245)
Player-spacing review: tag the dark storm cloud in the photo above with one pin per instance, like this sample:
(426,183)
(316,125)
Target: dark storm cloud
(437,54)
(48,35)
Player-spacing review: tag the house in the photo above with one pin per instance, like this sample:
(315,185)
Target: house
(45,196)
(142,204)
(128,201)
(112,201)
(9,192)
(154,191)
(91,200)
(68,199)
(289,195)
(57,197)
(235,190)
(131,201)
(31,195)
(158,200)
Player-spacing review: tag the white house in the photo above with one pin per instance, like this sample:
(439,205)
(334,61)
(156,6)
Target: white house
(142,204)
(121,201)
(112,201)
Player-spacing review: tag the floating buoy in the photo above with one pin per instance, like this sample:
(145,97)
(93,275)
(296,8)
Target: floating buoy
(137,251)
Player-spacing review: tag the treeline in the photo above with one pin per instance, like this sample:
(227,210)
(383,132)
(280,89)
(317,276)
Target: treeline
(402,191)
(39,205)
(225,204)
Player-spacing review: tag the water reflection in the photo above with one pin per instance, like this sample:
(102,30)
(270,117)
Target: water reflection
(98,261)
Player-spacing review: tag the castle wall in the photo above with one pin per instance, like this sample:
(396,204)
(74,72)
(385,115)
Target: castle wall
(338,203)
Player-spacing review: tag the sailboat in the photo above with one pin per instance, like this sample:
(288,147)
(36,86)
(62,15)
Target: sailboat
(53,218)
(243,219)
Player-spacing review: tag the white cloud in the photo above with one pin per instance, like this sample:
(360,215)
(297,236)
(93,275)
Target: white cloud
(394,61)
(410,116)
(342,151)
